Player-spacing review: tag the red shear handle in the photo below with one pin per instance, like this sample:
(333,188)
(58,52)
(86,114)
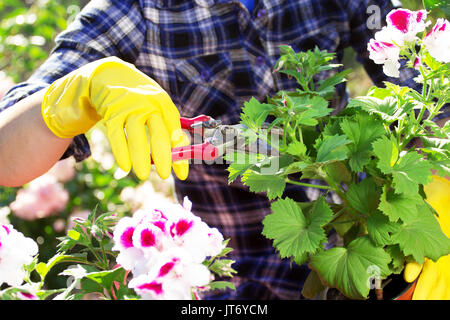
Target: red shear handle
(204,151)
(186,123)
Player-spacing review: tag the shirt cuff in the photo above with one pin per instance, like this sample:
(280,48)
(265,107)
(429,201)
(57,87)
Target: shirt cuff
(79,149)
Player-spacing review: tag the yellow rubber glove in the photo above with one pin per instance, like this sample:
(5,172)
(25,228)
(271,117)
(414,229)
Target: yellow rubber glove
(128,101)
(434,277)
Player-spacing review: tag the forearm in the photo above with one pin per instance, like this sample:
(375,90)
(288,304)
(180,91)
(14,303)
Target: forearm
(28,148)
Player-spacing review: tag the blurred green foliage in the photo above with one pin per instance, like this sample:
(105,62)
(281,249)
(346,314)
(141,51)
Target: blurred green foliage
(92,188)
(27,31)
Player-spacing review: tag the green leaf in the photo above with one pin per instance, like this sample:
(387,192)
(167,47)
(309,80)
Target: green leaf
(43,269)
(241,163)
(312,286)
(399,206)
(107,278)
(295,234)
(255,113)
(271,184)
(332,148)
(386,108)
(434,4)
(221,285)
(235,170)
(410,171)
(344,223)
(437,130)
(297,149)
(295,167)
(222,267)
(308,109)
(387,152)
(362,131)
(327,87)
(380,229)
(338,172)
(437,152)
(398,258)
(363,197)
(74,235)
(292,73)
(437,143)
(421,236)
(377,92)
(89,285)
(312,171)
(349,269)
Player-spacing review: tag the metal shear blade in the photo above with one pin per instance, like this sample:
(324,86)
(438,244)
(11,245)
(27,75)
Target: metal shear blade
(217,139)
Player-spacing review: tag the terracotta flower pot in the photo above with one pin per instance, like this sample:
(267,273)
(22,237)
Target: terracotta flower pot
(408,292)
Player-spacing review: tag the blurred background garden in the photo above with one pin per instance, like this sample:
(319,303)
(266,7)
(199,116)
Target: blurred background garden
(44,208)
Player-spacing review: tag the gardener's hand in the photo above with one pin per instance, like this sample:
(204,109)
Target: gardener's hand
(434,277)
(128,101)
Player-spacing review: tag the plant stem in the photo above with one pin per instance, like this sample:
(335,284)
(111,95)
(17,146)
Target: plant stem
(105,259)
(334,187)
(337,215)
(102,263)
(308,184)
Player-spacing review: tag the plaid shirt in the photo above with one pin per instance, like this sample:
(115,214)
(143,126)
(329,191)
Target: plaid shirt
(211,56)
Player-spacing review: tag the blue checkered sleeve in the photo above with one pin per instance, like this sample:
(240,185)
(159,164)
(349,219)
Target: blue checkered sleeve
(102,28)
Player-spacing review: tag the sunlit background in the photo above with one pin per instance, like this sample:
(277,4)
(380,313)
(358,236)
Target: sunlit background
(43,209)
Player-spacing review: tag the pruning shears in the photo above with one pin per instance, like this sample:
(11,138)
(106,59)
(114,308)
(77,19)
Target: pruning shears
(216,139)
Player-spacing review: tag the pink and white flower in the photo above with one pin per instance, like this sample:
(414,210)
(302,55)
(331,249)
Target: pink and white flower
(403,26)
(437,41)
(16,251)
(43,197)
(165,248)
(387,54)
(417,63)
(172,277)
(27,296)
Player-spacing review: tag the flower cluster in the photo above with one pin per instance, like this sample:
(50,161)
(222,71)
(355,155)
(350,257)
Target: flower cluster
(165,249)
(43,197)
(16,251)
(437,41)
(401,31)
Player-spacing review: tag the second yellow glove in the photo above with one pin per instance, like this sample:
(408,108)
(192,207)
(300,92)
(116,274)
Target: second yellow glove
(129,102)
(433,281)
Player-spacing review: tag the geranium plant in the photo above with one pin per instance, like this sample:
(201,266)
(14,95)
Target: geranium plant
(157,253)
(368,155)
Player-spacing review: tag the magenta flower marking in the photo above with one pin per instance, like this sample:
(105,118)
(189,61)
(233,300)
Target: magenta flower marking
(165,269)
(439,26)
(6,228)
(28,295)
(437,42)
(379,45)
(160,224)
(419,16)
(148,238)
(400,19)
(181,227)
(152,286)
(417,63)
(126,239)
